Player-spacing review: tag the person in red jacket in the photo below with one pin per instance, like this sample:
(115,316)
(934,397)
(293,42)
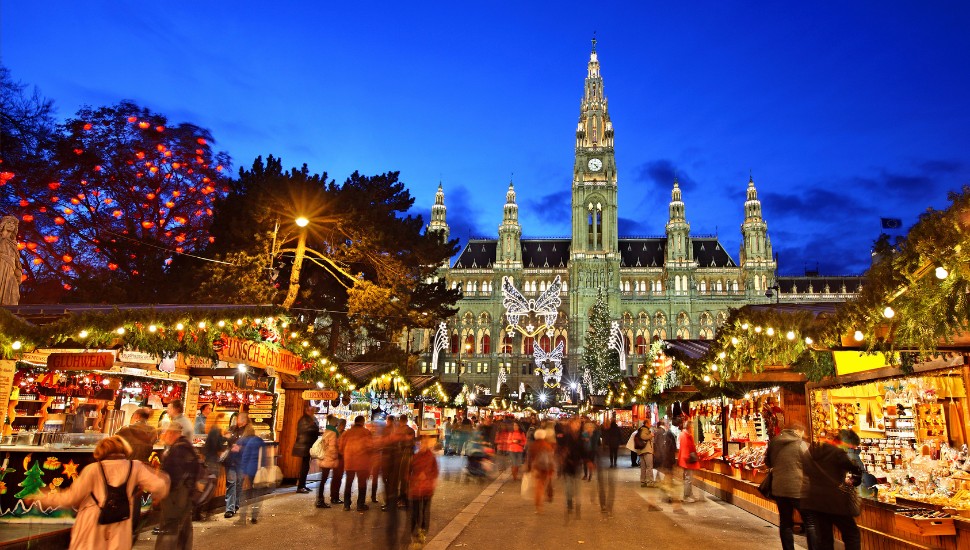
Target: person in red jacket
(515,441)
(422,481)
(684,458)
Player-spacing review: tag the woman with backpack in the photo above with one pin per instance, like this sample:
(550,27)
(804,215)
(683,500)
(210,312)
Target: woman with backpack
(102,494)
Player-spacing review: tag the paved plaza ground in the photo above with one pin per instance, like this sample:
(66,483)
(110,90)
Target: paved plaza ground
(493,515)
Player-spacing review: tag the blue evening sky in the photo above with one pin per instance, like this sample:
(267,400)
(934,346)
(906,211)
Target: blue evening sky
(845,111)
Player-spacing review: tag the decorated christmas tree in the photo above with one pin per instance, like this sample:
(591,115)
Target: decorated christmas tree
(32,481)
(601,364)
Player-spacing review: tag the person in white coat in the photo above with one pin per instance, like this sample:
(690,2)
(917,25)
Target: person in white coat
(329,460)
(87,533)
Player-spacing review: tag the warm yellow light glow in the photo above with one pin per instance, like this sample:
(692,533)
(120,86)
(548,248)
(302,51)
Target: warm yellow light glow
(722,355)
(201,324)
(744,326)
(179,326)
(734,341)
(707,378)
(302,222)
(305,343)
(222,323)
(239,321)
(941,273)
(771,331)
(888,312)
(84,333)
(16,344)
(790,335)
(808,340)
(120,331)
(757,329)
(858,336)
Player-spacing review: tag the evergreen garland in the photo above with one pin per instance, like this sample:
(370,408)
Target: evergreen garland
(600,362)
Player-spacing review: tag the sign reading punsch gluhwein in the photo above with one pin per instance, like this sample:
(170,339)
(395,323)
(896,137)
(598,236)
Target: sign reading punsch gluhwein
(255,354)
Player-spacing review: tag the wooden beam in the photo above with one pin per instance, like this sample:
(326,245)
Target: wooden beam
(771,377)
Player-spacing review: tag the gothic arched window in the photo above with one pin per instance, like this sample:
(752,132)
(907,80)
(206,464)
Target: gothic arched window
(641,345)
(454,343)
(506,344)
(486,344)
(544,343)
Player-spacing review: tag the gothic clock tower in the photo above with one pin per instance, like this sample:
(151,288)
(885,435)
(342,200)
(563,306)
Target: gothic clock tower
(594,258)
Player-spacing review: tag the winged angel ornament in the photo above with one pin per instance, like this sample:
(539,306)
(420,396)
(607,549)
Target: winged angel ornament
(516,306)
(553,373)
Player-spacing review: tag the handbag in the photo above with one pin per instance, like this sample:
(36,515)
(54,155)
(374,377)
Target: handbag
(850,493)
(765,487)
(224,457)
(316,451)
(692,458)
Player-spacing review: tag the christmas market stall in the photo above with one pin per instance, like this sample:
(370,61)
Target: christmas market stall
(72,377)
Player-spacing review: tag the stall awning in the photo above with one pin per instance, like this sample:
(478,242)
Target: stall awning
(692,348)
(419,383)
(362,372)
(42,314)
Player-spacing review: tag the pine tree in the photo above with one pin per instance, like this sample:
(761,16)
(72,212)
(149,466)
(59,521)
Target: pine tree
(600,362)
(32,482)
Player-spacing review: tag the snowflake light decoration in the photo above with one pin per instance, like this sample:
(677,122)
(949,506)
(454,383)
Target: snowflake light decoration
(501,380)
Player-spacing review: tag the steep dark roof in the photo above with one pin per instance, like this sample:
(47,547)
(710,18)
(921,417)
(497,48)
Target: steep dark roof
(536,253)
(708,252)
(835,284)
(648,252)
(544,253)
(478,253)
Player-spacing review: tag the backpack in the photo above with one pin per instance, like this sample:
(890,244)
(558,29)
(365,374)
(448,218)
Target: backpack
(660,449)
(204,483)
(116,506)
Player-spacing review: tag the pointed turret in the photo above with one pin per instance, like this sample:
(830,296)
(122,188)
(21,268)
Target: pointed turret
(757,261)
(679,250)
(509,251)
(439,213)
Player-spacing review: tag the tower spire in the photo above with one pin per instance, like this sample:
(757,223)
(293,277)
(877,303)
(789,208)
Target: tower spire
(439,213)
(509,251)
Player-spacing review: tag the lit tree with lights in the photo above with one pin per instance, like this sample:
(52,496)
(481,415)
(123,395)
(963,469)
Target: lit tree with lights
(600,362)
(127,195)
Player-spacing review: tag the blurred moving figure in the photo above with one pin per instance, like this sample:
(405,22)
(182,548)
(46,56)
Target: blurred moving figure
(785,456)
(356,447)
(250,459)
(88,492)
(829,506)
(330,462)
(422,480)
(181,463)
(541,465)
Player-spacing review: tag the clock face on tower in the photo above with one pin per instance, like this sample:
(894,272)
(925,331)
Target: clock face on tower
(595,164)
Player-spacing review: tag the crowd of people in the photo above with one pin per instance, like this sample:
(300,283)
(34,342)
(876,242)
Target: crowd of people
(387,453)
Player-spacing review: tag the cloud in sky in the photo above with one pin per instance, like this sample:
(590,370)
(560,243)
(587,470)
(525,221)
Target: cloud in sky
(551,208)
(462,214)
(660,174)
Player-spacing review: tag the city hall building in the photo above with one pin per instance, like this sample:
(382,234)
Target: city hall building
(677,286)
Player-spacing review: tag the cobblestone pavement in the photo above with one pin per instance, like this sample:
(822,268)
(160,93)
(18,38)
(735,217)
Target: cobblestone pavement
(471,514)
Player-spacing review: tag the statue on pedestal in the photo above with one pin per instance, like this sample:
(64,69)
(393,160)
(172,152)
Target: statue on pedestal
(11,270)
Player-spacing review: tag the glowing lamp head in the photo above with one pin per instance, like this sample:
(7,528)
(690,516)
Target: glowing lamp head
(757,329)
(241,368)
(120,331)
(222,323)
(722,355)
(744,326)
(888,313)
(858,336)
(771,331)
(152,328)
(239,321)
(305,343)
(302,222)
(319,384)
(941,273)
(808,341)
(714,368)
(16,344)
(202,324)
(734,340)
(790,335)
(83,334)
(179,326)
(707,378)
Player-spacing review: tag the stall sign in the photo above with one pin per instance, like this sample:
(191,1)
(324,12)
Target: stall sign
(191,398)
(91,392)
(850,362)
(35,358)
(318,395)
(187,362)
(280,401)
(151,374)
(80,361)
(243,383)
(7,370)
(132,356)
(258,355)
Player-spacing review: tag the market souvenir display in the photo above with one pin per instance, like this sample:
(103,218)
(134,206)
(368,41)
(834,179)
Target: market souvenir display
(749,457)
(709,449)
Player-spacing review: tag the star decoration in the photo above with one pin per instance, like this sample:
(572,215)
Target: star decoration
(70,470)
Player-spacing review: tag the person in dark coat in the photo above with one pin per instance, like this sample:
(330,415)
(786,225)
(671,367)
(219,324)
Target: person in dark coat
(826,502)
(180,462)
(307,432)
(612,438)
(785,455)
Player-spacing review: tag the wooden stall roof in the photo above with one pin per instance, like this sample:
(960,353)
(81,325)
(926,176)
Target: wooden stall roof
(361,372)
(420,382)
(694,349)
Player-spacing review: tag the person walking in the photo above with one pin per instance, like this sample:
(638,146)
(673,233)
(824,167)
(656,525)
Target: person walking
(612,438)
(827,503)
(630,445)
(573,458)
(405,441)
(181,463)
(541,464)
(89,492)
(250,457)
(785,456)
(234,475)
(307,432)
(515,443)
(687,458)
(666,446)
(175,409)
(213,448)
(330,462)
(356,447)
(446,436)
(422,480)
(141,438)
(643,441)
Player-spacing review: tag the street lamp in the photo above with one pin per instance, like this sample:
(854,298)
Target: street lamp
(461,366)
(294,289)
(777,293)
